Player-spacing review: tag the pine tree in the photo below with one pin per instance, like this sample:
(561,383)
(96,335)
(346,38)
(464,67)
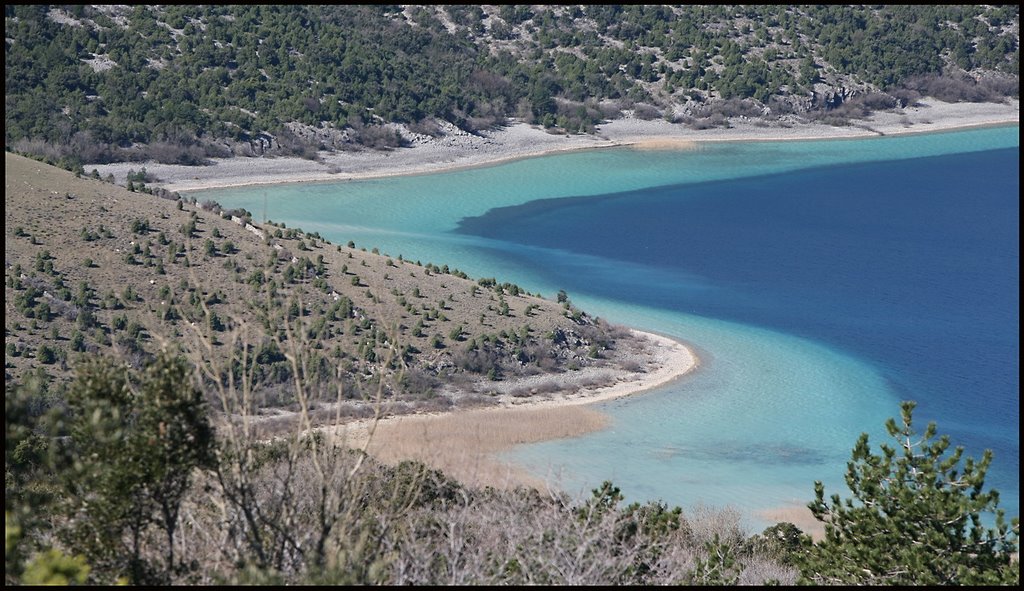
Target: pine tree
(915,518)
(135,442)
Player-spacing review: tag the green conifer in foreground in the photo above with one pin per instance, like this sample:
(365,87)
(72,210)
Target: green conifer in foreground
(915,518)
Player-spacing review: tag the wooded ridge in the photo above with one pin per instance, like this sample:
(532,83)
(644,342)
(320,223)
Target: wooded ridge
(180,84)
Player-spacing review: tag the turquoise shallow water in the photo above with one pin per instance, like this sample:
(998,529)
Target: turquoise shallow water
(797,358)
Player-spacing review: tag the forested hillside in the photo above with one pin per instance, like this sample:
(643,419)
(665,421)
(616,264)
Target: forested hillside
(179,84)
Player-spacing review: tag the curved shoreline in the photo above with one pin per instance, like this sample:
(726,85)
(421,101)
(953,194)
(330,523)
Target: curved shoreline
(461,150)
(463,443)
(673,360)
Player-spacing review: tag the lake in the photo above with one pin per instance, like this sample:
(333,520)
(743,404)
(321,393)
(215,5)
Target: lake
(820,283)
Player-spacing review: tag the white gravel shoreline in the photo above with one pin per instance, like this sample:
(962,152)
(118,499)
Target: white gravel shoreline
(459,149)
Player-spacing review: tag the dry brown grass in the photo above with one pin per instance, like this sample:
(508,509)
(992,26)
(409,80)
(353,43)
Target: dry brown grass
(800,516)
(463,444)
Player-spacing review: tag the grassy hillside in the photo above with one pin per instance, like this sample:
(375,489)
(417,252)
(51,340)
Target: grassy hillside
(94,268)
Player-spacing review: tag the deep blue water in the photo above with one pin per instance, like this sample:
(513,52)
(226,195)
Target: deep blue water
(911,265)
(819,282)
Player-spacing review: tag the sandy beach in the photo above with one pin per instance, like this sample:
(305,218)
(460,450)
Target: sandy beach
(460,149)
(463,443)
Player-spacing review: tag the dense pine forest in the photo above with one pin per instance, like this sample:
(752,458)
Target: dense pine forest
(179,84)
